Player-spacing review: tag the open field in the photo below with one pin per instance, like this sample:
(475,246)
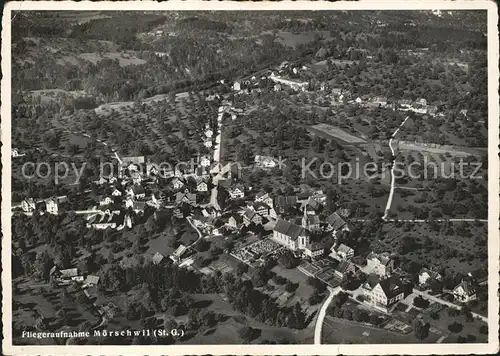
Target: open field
(294,40)
(340,331)
(124,59)
(328,131)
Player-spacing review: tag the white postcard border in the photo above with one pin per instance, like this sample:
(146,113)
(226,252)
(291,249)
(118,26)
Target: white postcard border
(417,349)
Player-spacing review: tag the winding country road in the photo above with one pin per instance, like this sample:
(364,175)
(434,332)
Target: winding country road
(393,177)
(322,313)
(200,235)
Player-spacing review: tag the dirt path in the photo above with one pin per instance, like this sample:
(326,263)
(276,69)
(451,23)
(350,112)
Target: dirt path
(393,177)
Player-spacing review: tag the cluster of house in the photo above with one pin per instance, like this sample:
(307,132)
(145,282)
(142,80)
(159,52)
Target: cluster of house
(464,292)
(49,205)
(383,287)
(68,276)
(180,256)
(280,77)
(16,153)
(130,193)
(418,106)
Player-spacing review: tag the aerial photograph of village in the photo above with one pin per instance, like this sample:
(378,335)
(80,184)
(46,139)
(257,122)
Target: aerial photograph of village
(246,177)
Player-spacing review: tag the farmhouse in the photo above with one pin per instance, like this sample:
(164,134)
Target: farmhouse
(283,203)
(314,250)
(344,268)
(101,181)
(237,191)
(251,216)
(265,162)
(185,197)
(264,198)
(299,86)
(210,211)
(177,254)
(16,153)
(202,187)
(465,292)
(421,101)
(311,206)
(342,251)
(136,178)
(51,206)
(91,281)
(208,132)
(157,258)
(405,103)
(235,222)
(380,264)
(102,221)
(427,275)
(129,202)
(177,183)
(105,201)
(63,276)
(28,205)
(380,100)
(261,208)
(336,223)
(432,110)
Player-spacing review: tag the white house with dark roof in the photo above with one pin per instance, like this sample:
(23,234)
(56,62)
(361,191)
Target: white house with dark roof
(177,183)
(251,216)
(465,292)
(380,100)
(314,250)
(383,293)
(381,264)
(105,201)
(234,222)
(28,205)
(237,191)
(202,187)
(265,162)
(16,153)
(342,251)
(264,198)
(205,161)
(427,275)
(344,268)
(336,223)
(52,206)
